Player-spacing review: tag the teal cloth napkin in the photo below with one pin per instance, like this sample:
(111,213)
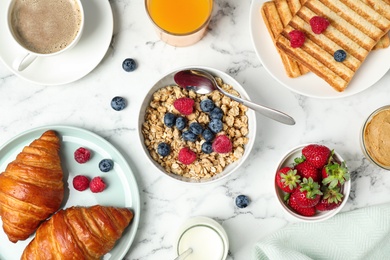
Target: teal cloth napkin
(358,234)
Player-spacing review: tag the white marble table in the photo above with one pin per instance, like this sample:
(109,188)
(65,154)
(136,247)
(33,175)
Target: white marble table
(166,204)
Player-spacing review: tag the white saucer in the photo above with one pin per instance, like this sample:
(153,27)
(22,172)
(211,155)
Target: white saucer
(75,63)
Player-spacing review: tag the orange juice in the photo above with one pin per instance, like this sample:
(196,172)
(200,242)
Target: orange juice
(180,16)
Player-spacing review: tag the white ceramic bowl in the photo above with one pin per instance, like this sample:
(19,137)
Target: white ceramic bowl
(168,80)
(288,160)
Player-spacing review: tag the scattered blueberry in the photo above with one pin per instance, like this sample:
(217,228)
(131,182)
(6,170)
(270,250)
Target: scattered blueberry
(129,65)
(242,201)
(207,147)
(163,149)
(216,125)
(340,55)
(216,113)
(181,122)
(106,165)
(169,119)
(118,103)
(208,135)
(207,105)
(189,136)
(196,128)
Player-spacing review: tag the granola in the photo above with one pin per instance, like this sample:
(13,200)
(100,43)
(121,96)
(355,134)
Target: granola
(235,126)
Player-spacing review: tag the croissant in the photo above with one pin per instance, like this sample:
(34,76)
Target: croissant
(31,187)
(79,233)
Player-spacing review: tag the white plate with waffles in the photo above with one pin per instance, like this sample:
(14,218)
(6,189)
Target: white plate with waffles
(372,70)
(121,190)
(73,64)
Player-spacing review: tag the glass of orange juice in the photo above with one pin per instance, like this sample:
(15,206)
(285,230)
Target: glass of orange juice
(180,22)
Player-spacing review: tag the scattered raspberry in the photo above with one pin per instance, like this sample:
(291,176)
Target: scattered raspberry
(82,155)
(80,182)
(222,144)
(97,185)
(184,105)
(297,38)
(186,156)
(318,24)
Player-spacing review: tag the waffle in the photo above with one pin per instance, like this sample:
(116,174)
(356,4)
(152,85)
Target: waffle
(354,27)
(277,14)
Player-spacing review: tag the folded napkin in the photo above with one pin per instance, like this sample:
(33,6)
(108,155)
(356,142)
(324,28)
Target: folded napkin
(358,234)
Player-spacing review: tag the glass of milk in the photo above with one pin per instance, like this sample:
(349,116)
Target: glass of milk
(206,237)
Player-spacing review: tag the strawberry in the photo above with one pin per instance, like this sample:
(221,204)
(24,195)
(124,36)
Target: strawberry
(308,212)
(317,155)
(331,199)
(287,179)
(308,195)
(335,174)
(306,170)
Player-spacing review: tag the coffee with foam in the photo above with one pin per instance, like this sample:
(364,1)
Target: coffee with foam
(45,26)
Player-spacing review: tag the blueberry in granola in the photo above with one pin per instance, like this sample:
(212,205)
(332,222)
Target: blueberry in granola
(189,136)
(207,147)
(163,149)
(169,119)
(208,135)
(216,125)
(216,113)
(196,128)
(181,122)
(206,105)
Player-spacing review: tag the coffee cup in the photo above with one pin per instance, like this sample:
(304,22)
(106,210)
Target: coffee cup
(43,28)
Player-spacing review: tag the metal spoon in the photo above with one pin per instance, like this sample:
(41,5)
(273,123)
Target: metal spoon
(203,82)
(183,255)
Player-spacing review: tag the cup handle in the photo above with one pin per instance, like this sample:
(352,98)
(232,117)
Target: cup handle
(23,61)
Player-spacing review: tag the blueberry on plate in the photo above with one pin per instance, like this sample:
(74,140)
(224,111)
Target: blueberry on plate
(129,65)
(189,136)
(163,149)
(206,105)
(169,119)
(207,147)
(181,122)
(216,125)
(242,201)
(106,165)
(340,55)
(216,113)
(196,128)
(208,135)
(118,103)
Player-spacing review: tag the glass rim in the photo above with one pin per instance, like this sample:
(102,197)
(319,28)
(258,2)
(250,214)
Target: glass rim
(180,34)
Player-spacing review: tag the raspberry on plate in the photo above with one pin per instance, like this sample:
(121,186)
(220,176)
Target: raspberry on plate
(297,38)
(184,105)
(82,155)
(97,184)
(318,24)
(222,144)
(80,182)
(186,156)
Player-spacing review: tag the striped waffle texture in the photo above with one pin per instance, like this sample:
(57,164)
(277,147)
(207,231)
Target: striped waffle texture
(354,27)
(276,15)
(358,234)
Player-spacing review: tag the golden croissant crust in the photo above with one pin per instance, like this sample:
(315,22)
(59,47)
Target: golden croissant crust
(79,233)
(31,187)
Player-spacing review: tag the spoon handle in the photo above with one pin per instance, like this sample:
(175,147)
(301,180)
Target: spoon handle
(265,111)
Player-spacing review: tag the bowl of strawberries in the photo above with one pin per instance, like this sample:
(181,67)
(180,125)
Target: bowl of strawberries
(312,182)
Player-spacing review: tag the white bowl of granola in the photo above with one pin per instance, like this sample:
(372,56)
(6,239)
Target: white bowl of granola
(202,145)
